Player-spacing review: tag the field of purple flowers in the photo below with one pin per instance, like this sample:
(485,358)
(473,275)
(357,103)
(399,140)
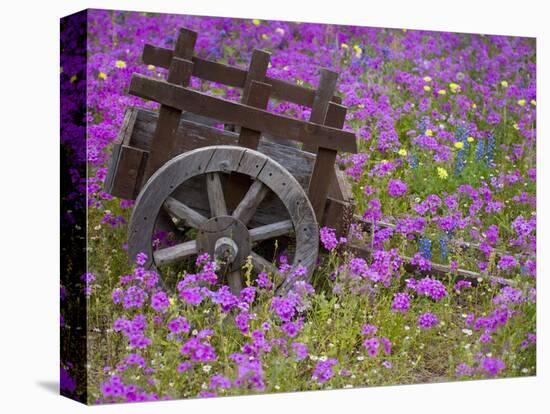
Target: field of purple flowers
(446,170)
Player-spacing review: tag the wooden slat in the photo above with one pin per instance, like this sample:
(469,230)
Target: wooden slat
(180,70)
(323,170)
(130,165)
(184,212)
(250,202)
(175,253)
(231,76)
(236,113)
(216,198)
(258,98)
(270,231)
(327,86)
(257,70)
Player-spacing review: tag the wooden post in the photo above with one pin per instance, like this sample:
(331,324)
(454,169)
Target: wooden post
(179,73)
(323,170)
(323,95)
(255,93)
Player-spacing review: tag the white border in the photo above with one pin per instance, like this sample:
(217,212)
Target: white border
(29,203)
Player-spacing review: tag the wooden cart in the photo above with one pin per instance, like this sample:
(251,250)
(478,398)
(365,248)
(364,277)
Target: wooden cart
(236,186)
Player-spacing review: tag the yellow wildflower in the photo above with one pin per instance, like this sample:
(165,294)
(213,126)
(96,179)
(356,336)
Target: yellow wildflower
(344,46)
(427,88)
(120,64)
(470,139)
(459,145)
(516,126)
(521,102)
(442,173)
(533,102)
(264,36)
(151,67)
(474,106)
(256,22)
(454,87)
(402,152)
(442,92)
(102,75)
(73,79)
(504,84)
(427,79)
(358,51)
(429,133)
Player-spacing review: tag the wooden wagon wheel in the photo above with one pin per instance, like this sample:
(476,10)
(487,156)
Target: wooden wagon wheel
(225,235)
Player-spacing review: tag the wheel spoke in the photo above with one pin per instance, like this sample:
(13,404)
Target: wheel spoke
(184,212)
(215,195)
(250,202)
(272,230)
(172,254)
(235,282)
(165,223)
(263,265)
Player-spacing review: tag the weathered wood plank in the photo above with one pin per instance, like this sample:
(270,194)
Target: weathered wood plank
(250,202)
(216,198)
(236,113)
(231,76)
(183,212)
(173,254)
(270,231)
(169,117)
(258,96)
(323,171)
(130,165)
(325,90)
(180,69)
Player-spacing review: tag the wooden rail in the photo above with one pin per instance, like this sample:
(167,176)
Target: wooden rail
(231,76)
(185,99)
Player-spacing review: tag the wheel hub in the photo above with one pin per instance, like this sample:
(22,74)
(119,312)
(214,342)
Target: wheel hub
(225,238)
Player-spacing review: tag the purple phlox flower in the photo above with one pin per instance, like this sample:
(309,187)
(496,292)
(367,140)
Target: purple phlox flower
(324,370)
(300,351)
(423,264)
(372,345)
(219,381)
(160,302)
(141,259)
(135,359)
(192,295)
(492,366)
(427,320)
(198,351)
(396,188)
(263,281)
(328,238)
(248,294)
(134,297)
(283,307)
(507,262)
(225,298)
(401,302)
(179,325)
(428,286)
(368,329)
